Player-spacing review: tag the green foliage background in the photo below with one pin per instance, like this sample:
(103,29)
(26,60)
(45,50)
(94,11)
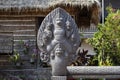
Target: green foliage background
(106,40)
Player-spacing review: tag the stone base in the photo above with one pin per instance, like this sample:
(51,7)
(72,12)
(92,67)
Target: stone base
(59,78)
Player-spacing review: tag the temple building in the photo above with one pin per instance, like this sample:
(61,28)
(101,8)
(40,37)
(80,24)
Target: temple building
(21,19)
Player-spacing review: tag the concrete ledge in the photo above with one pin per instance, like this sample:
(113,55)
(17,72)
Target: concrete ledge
(59,78)
(93,72)
(94,76)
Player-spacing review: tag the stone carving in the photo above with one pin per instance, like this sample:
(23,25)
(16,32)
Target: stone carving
(58,40)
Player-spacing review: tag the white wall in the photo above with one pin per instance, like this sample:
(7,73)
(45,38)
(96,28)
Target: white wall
(88,47)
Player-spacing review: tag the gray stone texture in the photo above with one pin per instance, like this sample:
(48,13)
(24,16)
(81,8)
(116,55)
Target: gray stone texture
(74,72)
(6,43)
(26,74)
(59,78)
(58,40)
(94,72)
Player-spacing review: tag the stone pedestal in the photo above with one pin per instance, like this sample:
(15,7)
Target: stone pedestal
(59,78)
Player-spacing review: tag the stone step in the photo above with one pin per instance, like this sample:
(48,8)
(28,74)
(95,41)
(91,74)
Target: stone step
(25,37)
(87,35)
(16,23)
(13,28)
(25,32)
(4,57)
(18,46)
(16,18)
(18,42)
(5,64)
(4,60)
(21,48)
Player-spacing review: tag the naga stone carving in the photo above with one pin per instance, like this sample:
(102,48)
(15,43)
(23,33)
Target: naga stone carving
(58,40)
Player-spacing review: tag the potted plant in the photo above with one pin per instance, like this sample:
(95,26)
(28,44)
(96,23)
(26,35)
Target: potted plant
(16,59)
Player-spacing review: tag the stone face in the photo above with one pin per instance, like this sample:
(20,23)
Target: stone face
(58,40)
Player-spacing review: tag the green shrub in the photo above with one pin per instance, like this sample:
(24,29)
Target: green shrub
(106,41)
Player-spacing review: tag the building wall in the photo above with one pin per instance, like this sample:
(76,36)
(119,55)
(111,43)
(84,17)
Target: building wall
(23,29)
(86,46)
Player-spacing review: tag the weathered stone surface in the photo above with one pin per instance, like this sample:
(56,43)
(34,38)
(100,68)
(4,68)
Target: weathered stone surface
(6,43)
(94,72)
(59,78)
(26,74)
(94,77)
(45,73)
(58,40)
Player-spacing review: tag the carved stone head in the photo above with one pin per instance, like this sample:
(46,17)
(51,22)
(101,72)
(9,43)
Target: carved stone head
(59,21)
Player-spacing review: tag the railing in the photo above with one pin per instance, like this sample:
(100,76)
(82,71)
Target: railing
(88,32)
(91,72)
(91,28)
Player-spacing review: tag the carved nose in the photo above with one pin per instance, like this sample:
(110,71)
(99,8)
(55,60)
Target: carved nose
(59,22)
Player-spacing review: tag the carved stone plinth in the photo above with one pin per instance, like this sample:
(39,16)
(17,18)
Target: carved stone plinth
(59,78)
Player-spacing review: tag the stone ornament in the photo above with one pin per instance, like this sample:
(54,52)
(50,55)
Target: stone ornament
(58,40)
